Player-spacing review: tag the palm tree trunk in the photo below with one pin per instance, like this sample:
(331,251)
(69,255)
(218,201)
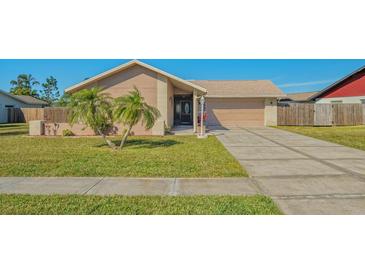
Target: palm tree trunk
(124,139)
(107,141)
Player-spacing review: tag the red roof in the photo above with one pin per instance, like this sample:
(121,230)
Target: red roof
(351,85)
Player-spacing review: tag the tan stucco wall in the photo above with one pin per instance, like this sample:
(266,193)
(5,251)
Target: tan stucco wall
(121,84)
(170,104)
(165,104)
(161,104)
(56,129)
(271,112)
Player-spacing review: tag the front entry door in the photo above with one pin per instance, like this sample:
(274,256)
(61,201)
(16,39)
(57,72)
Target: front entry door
(186,112)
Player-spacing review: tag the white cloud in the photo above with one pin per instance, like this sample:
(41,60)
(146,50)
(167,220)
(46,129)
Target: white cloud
(303,84)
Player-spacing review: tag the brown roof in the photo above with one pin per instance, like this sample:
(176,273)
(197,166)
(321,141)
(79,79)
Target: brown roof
(302,96)
(240,88)
(31,100)
(126,66)
(25,99)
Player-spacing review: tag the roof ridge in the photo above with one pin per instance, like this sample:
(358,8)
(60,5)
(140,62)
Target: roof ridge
(127,65)
(338,82)
(232,80)
(20,98)
(301,92)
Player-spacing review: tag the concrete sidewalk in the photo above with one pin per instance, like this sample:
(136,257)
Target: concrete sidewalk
(127,186)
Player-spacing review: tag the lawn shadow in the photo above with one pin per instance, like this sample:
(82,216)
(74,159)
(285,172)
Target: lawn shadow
(12,125)
(14,133)
(145,143)
(150,143)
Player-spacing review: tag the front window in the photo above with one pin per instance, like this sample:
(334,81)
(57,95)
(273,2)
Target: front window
(362,101)
(336,102)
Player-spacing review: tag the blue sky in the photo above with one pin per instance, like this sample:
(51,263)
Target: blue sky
(290,75)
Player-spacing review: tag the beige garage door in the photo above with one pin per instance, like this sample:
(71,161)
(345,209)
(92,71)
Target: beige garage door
(235,112)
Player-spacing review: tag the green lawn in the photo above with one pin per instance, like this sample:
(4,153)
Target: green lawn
(137,205)
(169,156)
(351,136)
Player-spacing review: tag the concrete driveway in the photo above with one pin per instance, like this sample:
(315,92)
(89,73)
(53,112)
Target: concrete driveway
(303,175)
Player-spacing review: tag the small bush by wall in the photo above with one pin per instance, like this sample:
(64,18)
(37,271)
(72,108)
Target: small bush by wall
(67,132)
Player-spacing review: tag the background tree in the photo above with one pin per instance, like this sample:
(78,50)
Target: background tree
(63,101)
(49,92)
(94,109)
(131,109)
(24,85)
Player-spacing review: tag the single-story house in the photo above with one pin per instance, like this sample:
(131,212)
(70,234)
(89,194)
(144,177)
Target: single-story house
(350,90)
(227,103)
(8,100)
(298,97)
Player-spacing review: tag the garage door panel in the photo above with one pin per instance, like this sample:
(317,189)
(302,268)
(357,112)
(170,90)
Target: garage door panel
(235,112)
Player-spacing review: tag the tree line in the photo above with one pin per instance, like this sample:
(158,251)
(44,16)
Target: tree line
(26,84)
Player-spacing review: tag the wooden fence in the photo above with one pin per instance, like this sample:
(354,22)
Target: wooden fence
(56,115)
(321,114)
(24,115)
(49,114)
(288,115)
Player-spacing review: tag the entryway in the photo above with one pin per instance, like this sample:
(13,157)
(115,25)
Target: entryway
(182,130)
(183,110)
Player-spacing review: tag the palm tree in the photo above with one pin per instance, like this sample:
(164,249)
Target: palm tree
(94,109)
(29,81)
(24,85)
(17,84)
(131,109)
(63,101)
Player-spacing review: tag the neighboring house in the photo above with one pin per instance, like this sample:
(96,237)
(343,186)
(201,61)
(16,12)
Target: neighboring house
(8,100)
(300,97)
(350,89)
(228,103)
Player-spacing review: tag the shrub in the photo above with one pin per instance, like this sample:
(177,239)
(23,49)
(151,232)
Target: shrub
(67,132)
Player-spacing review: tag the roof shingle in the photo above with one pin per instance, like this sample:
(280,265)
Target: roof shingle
(240,88)
(302,96)
(25,99)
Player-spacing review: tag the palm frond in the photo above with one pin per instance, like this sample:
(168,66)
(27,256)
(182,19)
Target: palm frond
(132,108)
(92,108)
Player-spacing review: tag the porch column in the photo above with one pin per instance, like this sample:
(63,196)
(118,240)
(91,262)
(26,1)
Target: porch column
(271,112)
(195,111)
(202,128)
